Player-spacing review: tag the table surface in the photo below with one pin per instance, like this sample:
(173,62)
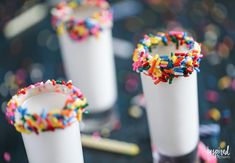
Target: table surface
(35,55)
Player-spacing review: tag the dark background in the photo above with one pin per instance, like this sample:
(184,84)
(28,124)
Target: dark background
(34,55)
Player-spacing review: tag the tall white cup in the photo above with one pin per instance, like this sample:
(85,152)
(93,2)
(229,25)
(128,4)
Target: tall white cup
(47,115)
(59,146)
(172,111)
(90,64)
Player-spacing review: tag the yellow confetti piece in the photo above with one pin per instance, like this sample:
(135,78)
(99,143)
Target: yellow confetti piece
(173,58)
(140,46)
(21,129)
(157,72)
(135,111)
(224,82)
(154,40)
(73,4)
(81,30)
(190,63)
(148,43)
(135,56)
(60,30)
(164,62)
(78,103)
(222,144)
(190,54)
(214,114)
(105,132)
(155,58)
(54,121)
(34,124)
(79,115)
(158,60)
(41,126)
(96,16)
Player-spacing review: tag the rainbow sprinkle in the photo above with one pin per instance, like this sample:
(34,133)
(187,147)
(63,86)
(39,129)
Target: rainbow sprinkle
(64,19)
(26,122)
(164,68)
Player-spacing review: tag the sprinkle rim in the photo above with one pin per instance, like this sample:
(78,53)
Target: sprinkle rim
(165,68)
(26,122)
(63,19)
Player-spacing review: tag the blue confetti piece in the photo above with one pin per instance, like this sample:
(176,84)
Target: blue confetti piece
(197,69)
(44,114)
(22,111)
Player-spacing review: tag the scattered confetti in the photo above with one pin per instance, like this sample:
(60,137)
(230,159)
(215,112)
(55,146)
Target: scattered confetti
(226,116)
(212,96)
(6,156)
(135,111)
(12,82)
(117,125)
(224,82)
(105,132)
(222,144)
(131,83)
(96,135)
(214,114)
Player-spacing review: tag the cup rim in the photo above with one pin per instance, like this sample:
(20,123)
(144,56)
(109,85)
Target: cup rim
(65,21)
(164,68)
(59,118)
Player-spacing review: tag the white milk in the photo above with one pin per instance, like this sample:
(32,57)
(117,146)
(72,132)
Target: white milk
(172,111)
(90,65)
(60,146)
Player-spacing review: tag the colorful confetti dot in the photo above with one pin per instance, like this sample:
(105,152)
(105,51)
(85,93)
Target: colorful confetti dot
(224,82)
(212,96)
(226,115)
(135,111)
(105,132)
(6,156)
(214,114)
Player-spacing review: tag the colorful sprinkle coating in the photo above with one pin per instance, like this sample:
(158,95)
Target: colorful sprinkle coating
(58,118)
(164,68)
(64,19)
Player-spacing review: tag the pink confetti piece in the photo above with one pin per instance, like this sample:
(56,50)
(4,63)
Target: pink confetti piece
(205,155)
(6,156)
(212,96)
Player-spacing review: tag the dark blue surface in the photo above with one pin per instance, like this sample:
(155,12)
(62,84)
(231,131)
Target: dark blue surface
(27,52)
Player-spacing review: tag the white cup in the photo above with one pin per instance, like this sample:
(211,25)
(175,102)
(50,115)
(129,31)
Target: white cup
(59,146)
(172,111)
(89,63)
